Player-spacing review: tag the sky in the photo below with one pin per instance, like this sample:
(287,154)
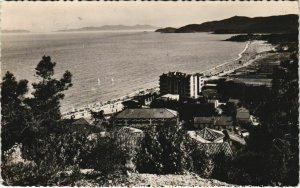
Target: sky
(52,16)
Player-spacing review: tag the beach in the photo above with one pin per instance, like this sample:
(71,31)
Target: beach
(252,50)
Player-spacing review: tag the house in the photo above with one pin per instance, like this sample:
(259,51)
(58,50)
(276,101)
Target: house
(210,141)
(215,142)
(207,135)
(214,122)
(202,122)
(242,115)
(79,125)
(145,116)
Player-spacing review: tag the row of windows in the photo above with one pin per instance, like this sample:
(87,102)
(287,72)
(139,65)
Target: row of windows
(218,127)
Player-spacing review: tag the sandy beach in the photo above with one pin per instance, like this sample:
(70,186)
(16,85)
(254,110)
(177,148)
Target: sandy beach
(109,107)
(252,50)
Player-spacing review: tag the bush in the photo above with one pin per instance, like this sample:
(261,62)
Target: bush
(163,150)
(47,157)
(107,157)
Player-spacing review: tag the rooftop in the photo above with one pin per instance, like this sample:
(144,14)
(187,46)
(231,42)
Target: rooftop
(243,113)
(147,113)
(210,134)
(224,120)
(81,121)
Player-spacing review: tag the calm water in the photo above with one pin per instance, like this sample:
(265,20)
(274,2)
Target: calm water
(133,60)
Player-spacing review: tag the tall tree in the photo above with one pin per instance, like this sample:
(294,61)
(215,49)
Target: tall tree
(48,92)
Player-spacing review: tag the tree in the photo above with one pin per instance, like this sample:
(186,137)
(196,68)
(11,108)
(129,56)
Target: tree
(12,93)
(163,150)
(97,116)
(45,104)
(12,109)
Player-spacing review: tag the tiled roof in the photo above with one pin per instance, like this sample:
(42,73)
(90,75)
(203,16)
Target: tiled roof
(211,141)
(147,113)
(210,134)
(206,135)
(81,121)
(216,148)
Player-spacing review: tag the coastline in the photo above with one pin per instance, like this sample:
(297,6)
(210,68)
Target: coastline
(245,57)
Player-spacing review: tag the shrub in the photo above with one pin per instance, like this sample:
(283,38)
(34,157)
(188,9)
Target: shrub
(163,150)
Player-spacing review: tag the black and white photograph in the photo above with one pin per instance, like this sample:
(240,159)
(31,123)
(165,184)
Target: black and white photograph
(149,93)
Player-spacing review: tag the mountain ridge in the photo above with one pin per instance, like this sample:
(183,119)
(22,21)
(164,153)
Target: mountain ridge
(112,27)
(242,24)
(15,31)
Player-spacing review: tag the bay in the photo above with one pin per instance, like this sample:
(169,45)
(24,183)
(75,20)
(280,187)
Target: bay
(108,65)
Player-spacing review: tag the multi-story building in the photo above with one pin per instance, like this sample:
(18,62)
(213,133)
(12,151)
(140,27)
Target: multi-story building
(186,85)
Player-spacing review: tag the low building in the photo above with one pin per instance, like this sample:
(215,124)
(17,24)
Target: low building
(242,115)
(211,141)
(214,122)
(80,125)
(145,116)
(168,97)
(214,142)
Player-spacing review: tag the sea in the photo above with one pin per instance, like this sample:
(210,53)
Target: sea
(111,64)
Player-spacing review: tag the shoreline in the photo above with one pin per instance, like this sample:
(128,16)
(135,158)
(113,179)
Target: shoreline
(246,56)
(240,55)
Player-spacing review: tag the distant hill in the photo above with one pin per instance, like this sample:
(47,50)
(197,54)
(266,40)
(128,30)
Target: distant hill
(113,27)
(240,24)
(166,30)
(15,31)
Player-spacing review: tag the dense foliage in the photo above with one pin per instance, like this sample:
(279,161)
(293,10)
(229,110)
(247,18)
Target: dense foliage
(163,150)
(271,157)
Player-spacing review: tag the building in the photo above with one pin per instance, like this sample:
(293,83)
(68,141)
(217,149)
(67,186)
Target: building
(214,122)
(81,125)
(145,116)
(242,115)
(211,141)
(186,85)
(169,97)
(215,142)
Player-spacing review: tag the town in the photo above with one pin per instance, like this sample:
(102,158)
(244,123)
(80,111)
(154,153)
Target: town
(105,96)
(216,111)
